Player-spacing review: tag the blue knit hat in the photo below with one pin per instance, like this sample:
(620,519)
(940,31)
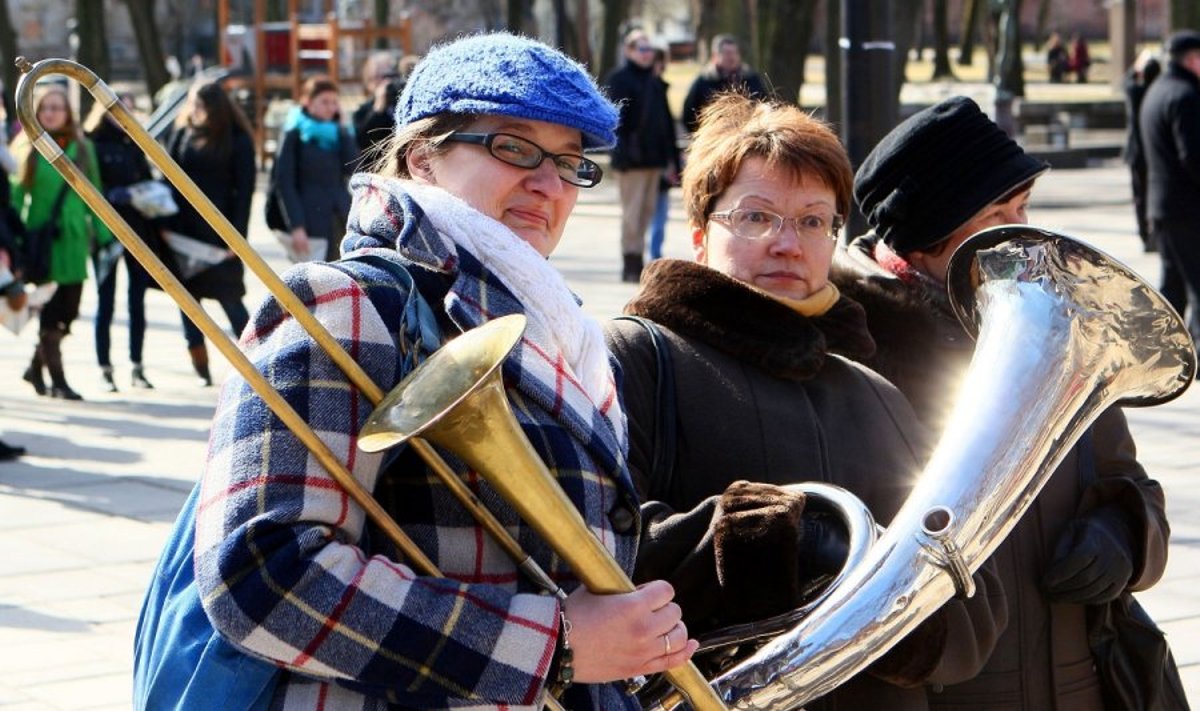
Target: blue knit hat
(510,76)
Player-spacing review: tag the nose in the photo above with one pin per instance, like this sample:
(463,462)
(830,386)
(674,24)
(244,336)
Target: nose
(787,240)
(544,179)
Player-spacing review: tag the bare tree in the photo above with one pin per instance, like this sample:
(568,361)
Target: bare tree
(714,17)
(972,9)
(1185,15)
(1043,18)
(941,41)
(93,44)
(149,44)
(8,55)
(833,63)
(905,21)
(1010,68)
(519,19)
(784,29)
(615,14)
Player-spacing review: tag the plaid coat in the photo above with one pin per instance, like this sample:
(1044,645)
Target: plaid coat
(284,568)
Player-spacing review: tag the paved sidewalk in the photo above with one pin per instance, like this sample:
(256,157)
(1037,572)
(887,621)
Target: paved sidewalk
(82,517)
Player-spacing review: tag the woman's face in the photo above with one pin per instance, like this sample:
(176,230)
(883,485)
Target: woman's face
(323,106)
(786,263)
(533,203)
(53,112)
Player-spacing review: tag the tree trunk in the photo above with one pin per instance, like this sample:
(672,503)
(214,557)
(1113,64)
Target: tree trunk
(1184,15)
(1043,18)
(941,41)
(784,29)
(970,27)
(904,22)
(149,43)
(833,63)
(92,33)
(714,17)
(610,49)
(1010,68)
(519,19)
(382,16)
(8,55)
(583,41)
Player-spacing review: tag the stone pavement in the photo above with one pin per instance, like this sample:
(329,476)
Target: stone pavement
(82,517)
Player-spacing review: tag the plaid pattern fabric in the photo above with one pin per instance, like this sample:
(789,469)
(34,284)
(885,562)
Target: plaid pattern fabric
(282,565)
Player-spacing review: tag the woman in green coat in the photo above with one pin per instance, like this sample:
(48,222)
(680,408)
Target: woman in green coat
(35,190)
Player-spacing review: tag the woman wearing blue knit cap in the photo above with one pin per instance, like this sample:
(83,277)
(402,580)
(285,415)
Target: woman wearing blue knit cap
(481,175)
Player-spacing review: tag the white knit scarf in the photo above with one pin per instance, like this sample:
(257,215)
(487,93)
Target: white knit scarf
(555,317)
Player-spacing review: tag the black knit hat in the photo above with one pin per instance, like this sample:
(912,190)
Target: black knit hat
(1181,42)
(935,171)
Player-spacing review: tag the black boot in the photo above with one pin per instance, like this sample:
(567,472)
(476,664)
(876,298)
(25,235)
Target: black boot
(52,353)
(106,378)
(138,378)
(9,452)
(33,374)
(632,271)
(199,356)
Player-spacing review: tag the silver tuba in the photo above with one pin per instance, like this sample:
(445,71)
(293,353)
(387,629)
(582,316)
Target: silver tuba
(1064,332)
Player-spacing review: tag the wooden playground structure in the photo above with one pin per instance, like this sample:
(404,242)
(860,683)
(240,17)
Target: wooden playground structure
(273,56)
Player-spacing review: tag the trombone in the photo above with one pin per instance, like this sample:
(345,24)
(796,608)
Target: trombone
(697,687)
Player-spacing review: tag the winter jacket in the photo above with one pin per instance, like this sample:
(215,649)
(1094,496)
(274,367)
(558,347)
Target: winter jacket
(1170,130)
(311,183)
(122,164)
(710,82)
(286,570)
(760,394)
(79,229)
(228,181)
(646,130)
(1042,662)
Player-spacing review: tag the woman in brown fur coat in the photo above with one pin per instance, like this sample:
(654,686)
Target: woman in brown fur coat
(757,339)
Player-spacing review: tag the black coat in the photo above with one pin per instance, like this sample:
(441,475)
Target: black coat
(710,82)
(646,131)
(228,181)
(1170,130)
(311,183)
(760,395)
(122,164)
(1042,661)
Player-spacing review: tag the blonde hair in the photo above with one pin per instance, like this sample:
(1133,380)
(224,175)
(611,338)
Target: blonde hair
(22,147)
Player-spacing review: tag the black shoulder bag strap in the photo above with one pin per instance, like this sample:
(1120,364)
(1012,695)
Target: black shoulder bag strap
(663,457)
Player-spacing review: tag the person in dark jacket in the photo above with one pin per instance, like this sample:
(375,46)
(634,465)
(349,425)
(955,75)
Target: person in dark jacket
(1144,71)
(1170,130)
(758,342)
(375,118)
(315,160)
(724,72)
(937,178)
(122,164)
(212,141)
(645,146)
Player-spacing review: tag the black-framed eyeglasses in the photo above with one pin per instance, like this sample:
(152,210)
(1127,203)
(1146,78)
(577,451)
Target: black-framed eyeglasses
(754,223)
(523,153)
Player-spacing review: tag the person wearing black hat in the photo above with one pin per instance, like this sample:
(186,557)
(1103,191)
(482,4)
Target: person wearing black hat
(1170,131)
(937,178)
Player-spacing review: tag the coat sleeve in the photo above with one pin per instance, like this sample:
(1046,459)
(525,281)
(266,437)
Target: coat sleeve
(287,164)
(278,561)
(99,229)
(680,546)
(1122,482)
(243,175)
(691,105)
(1185,135)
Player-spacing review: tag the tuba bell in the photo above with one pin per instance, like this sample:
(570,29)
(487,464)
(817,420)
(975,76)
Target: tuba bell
(1063,332)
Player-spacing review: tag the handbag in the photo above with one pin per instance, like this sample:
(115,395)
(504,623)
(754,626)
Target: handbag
(1133,660)
(39,244)
(1136,668)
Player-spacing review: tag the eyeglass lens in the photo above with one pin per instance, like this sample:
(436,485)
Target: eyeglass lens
(517,151)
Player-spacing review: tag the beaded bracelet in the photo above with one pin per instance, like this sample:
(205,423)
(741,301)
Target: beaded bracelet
(566,672)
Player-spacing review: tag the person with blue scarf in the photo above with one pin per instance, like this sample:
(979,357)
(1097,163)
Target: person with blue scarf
(315,160)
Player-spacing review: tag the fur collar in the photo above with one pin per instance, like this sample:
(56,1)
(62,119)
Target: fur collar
(698,302)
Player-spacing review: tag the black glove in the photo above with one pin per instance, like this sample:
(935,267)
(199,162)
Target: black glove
(1093,561)
(824,543)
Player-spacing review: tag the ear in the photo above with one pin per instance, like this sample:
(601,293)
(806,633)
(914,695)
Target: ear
(700,245)
(419,162)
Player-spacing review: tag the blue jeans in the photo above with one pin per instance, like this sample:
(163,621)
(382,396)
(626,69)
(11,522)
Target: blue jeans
(106,292)
(658,225)
(234,311)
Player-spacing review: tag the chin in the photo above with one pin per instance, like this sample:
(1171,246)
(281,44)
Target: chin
(540,241)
